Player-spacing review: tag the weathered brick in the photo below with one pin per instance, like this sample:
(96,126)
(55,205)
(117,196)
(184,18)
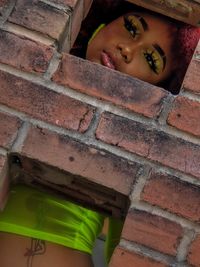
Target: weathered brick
(106,84)
(44,104)
(79,159)
(67,3)
(23,53)
(40,17)
(2,161)
(152,231)
(87,5)
(76,8)
(4,181)
(76,21)
(9,127)
(193,255)
(3,3)
(191,81)
(149,143)
(171,194)
(126,258)
(185,115)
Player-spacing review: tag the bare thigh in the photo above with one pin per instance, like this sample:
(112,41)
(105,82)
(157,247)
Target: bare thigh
(18,251)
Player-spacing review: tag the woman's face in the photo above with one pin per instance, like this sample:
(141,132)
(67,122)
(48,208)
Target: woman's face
(137,44)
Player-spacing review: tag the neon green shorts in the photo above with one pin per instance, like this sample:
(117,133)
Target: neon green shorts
(40,215)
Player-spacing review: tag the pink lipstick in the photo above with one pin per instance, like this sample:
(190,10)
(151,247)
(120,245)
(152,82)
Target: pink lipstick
(107,61)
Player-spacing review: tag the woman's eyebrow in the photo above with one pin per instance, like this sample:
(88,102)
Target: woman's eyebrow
(162,54)
(144,23)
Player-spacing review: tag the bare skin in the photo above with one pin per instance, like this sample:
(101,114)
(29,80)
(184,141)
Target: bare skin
(21,251)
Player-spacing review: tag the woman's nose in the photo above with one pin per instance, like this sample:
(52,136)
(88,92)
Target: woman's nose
(126,51)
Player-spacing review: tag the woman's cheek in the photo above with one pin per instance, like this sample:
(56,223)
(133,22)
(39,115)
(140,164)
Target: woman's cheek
(139,69)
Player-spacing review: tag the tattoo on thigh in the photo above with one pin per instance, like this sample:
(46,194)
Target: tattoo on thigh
(38,247)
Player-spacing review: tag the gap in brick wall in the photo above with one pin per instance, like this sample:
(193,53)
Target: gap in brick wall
(24,171)
(77,189)
(105,12)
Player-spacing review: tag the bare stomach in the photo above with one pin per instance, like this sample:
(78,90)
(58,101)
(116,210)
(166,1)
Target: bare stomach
(18,251)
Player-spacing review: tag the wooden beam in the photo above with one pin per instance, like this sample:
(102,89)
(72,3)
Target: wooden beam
(184,10)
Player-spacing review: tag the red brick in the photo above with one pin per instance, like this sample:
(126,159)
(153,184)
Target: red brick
(124,258)
(106,84)
(79,159)
(73,3)
(185,115)
(23,53)
(9,127)
(171,194)
(152,231)
(191,81)
(149,143)
(87,5)
(2,161)
(4,3)
(193,255)
(4,181)
(40,17)
(76,21)
(70,3)
(41,103)
(77,11)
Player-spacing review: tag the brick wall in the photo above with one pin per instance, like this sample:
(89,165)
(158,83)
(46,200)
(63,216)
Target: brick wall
(101,138)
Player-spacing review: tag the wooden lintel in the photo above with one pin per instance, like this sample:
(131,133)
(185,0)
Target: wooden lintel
(184,10)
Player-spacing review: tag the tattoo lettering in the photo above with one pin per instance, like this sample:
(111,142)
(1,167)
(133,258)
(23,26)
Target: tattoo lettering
(38,247)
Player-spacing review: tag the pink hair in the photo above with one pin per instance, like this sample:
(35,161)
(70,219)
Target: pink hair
(186,38)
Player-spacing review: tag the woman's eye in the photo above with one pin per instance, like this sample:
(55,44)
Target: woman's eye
(131,26)
(153,61)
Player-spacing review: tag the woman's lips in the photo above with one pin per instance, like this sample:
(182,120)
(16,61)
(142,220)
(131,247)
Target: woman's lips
(107,61)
